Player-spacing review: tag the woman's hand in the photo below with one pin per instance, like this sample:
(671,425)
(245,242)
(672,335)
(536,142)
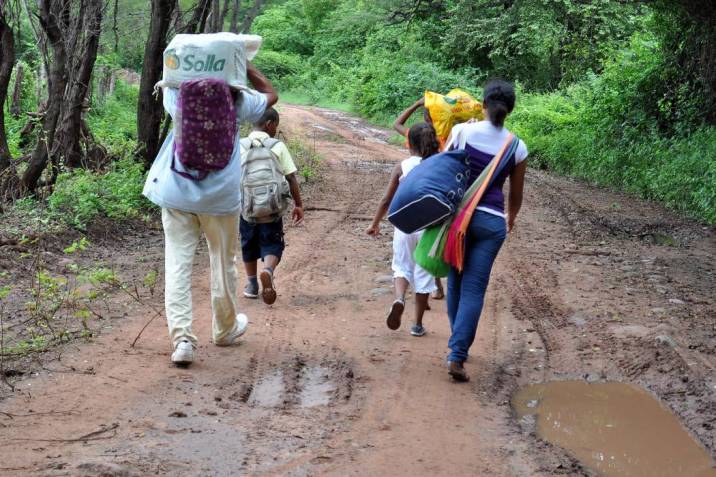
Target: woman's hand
(510,222)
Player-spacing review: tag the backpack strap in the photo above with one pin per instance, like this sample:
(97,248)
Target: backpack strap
(270,143)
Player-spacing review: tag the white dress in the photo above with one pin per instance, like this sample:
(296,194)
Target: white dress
(404,245)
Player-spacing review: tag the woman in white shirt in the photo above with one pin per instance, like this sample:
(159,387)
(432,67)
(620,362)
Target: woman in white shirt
(489,226)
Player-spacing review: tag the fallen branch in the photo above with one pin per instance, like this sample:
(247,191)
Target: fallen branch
(92,436)
(156,314)
(322,209)
(31,414)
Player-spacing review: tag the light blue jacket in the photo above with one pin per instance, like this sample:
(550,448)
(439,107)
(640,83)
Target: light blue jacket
(219,192)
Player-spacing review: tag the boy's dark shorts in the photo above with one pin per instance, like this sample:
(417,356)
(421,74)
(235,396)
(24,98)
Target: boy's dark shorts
(259,240)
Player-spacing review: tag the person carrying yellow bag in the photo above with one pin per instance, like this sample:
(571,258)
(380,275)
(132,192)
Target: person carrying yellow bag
(443,112)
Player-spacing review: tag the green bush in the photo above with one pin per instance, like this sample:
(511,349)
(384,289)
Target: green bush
(80,196)
(384,88)
(114,123)
(602,130)
(285,28)
(278,65)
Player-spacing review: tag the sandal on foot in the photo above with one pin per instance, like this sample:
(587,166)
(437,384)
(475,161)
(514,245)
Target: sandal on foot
(396,312)
(268,290)
(438,294)
(457,371)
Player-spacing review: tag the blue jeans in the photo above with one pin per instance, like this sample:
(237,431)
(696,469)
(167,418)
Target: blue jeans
(466,290)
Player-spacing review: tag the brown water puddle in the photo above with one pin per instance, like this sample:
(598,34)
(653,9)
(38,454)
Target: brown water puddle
(614,429)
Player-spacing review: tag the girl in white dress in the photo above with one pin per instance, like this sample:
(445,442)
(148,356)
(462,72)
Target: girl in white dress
(423,143)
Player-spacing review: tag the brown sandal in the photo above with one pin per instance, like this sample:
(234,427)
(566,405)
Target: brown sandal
(457,371)
(268,290)
(396,312)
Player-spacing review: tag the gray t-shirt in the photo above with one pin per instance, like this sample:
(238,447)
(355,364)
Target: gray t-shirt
(219,192)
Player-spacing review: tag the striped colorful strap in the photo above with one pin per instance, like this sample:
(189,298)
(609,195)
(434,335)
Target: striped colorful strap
(455,245)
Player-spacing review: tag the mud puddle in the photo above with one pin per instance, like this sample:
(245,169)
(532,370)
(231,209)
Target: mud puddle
(269,391)
(615,429)
(316,386)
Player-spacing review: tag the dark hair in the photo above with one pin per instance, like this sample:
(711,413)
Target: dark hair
(499,98)
(423,139)
(270,115)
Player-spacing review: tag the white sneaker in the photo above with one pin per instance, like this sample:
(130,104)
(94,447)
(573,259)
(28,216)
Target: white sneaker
(183,353)
(242,323)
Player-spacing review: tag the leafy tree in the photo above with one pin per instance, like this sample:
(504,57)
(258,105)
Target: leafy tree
(540,43)
(687,29)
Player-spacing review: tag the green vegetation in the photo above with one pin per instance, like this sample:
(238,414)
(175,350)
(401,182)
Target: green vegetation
(609,91)
(307,159)
(65,305)
(618,93)
(80,195)
(573,131)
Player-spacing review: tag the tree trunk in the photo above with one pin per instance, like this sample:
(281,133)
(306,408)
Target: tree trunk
(16,104)
(251,16)
(178,19)
(53,17)
(150,111)
(198,17)
(206,10)
(115,30)
(224,13)
(234,28)
(102,83)
(69,147)
(7,61)
(216,24)
(112,82)
(41,87)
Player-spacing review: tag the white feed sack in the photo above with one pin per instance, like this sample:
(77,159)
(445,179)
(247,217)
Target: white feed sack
(211,55)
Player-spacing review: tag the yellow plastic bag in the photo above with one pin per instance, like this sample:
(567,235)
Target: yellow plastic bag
(453,108)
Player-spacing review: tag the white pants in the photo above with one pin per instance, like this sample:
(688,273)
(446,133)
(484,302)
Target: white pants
(404,265)
(182,231)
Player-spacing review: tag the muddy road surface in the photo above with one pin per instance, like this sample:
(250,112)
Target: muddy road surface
(591,286)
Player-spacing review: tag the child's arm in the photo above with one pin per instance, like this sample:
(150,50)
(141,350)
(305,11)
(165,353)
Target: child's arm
(399,124)
(296,195)
(374,229)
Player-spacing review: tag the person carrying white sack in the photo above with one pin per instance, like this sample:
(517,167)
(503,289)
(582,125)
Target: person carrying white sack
(195,177)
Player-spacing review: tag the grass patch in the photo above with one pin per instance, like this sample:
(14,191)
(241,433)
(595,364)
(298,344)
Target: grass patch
(304,99)
(306,158)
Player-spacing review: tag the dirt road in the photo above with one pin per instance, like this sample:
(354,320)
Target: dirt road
(592,285)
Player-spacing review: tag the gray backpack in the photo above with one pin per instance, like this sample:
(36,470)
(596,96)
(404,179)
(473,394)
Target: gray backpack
(265,193)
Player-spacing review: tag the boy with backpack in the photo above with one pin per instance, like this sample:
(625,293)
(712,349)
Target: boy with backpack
(268,182)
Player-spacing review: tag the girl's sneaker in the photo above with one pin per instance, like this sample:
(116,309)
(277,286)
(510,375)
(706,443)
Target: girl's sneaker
(418,330)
